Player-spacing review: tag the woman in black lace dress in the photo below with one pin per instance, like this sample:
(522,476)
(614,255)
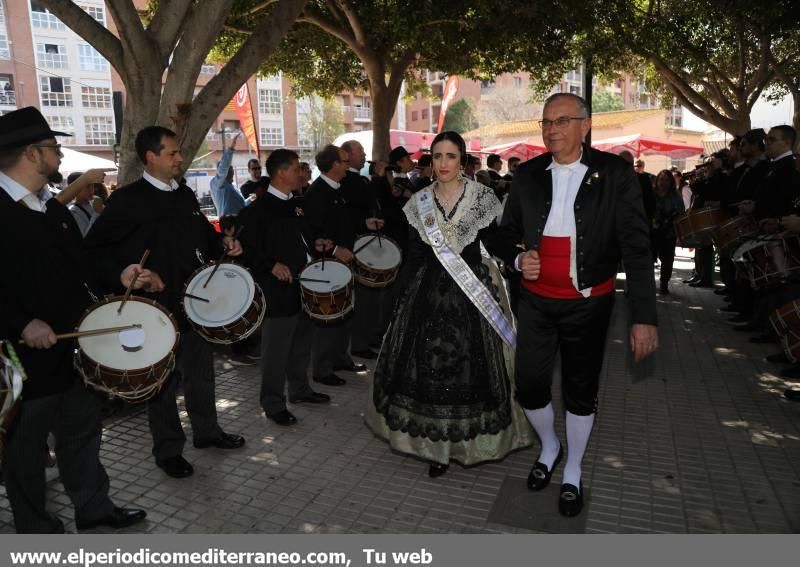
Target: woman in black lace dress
(443,386)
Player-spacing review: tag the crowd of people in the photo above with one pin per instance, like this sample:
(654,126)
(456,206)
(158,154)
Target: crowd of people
(496,276)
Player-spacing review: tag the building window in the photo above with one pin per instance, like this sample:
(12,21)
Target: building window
(63,124)
(52,55)
(269,101)
(208,69)
(272,136)
(517,82)
(55,91)
(97,12)
(414,115)
(91,60)
(41,18)
(424,113)
(96,97)
(99,130)
(4,51)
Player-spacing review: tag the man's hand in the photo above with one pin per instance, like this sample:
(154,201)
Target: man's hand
(530,265)
(148,280)
(343,254)
(235,138)
(374,223)
(380,168)
(282,272)
(96,175)
(232,246)
(746,207)
(323,245)
(38,334)
(791,223)
(644,340)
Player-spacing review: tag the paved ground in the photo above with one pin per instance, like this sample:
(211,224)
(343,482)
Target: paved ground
(698,440)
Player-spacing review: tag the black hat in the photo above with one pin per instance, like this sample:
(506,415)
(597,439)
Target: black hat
(397,154)
(25,126)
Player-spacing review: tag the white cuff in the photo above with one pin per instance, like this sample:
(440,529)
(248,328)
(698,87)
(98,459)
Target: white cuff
(516,262)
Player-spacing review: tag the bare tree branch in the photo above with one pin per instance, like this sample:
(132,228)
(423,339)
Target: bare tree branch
(354,21)
(167,23)
(261,6)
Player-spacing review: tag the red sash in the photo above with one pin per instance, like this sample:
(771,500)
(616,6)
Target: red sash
(554,280)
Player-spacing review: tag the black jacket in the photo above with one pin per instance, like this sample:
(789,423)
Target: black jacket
(360,196)
(610,224)
(778,194)
(46,278)
(329,214)
(274,230)
(138,217)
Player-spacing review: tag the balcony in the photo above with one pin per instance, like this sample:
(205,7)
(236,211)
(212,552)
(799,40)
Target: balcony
(362,113)
(8,98)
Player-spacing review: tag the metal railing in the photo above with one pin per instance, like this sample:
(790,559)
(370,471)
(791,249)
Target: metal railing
(8,98)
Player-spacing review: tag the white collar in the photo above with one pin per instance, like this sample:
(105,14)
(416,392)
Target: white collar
(329,181)
(400,174)
(354,170)
(158,184)
(272,190)
(15,190)
(783,155)
(555,165)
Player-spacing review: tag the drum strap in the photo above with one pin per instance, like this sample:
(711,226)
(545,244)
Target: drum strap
(461,273)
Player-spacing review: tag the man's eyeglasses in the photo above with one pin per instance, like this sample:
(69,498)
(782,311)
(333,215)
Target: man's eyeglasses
(254,167)
(56,147)
(561,122)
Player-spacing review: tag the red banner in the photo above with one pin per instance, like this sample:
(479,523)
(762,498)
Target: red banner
(449,93)
(246,120)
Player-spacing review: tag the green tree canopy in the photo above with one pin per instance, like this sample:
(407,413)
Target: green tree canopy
(604,101)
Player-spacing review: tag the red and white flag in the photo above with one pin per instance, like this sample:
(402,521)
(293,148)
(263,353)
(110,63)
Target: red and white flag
(246,120)
(450,90)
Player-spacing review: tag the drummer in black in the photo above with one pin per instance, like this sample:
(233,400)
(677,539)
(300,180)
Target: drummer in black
(44,290)
(157,213)
(277,239)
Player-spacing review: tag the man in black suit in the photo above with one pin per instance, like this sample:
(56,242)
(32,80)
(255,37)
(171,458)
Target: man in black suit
(157,213)
(45,292)
(277,239)
(331,219)
(576,212)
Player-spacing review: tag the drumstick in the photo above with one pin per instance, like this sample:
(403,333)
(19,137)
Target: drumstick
(380,244)
(133,282)
(92,332)
(311,280)
(360,248)
(221,258)
(190,296)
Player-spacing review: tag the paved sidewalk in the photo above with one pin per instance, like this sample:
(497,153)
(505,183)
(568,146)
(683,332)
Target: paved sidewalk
(698,440)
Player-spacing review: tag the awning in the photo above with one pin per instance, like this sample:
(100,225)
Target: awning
(521,149)
(645,145)
(79,161)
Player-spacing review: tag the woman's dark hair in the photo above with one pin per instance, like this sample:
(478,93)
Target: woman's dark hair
(665,173)
(455,138)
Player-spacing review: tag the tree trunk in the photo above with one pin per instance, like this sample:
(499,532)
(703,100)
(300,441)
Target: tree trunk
(382,111)
(796,118)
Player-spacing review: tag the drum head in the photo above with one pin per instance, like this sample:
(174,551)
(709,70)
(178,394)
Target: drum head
(10,383)
(738,255)
(335,276)
(380,254)
(230,294)
(159,335)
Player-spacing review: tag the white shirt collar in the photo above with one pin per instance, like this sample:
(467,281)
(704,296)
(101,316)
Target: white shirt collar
(158,184)
(19,192)
(783,155)
(400,175)
(329,181)
(282,196)
(555,165)
(354,170)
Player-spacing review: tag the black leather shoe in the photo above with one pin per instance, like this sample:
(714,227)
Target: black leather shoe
(762,340)
(570,501)
(355,367)
(366,354)
(436,470)
(284,417)
(331,380)
(312,398)
(792,394)
(118,519)
(691,279)
(224,441)
(779,358)
(176,467)
(539,476)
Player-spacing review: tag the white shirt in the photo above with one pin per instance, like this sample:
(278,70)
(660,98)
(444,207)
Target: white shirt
(329,181)
(158,184)
(18,193)
(783,155)
(567,180)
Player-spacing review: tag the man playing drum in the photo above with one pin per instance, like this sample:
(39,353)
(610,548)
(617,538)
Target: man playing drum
(158,214)
(277,238)
(45,291)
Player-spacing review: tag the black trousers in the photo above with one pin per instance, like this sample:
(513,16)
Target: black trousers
(367,318)
(577,328)
(74,419)
(285,354)
(330,347)
(195,365)
(704,263)
(664,250)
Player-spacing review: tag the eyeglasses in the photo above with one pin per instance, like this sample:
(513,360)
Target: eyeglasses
(560,122)
(254,167)
(56,147)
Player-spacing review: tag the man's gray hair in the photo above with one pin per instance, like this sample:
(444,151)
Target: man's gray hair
(583,111)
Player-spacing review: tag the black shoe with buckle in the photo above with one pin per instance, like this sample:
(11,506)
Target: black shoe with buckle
(436,470)
(539,476)
(283,417)
(176,467)
(570,501)
(119,518)
(354,367)
(224,441)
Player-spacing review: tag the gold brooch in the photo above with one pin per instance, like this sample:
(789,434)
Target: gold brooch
(298,212)
(592,177)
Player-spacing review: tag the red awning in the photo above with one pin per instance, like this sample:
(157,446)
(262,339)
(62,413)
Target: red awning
(644,145)
(522,149)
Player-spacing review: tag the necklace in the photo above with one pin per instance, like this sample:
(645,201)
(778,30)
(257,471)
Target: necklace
(442,203)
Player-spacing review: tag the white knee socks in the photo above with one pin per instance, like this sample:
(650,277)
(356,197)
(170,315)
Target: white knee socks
(542,421)
(579,428)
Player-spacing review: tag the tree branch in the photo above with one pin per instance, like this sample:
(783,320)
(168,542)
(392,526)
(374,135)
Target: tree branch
(261,6)
(105,42)
(167,23)
(354,21)
(129,25)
